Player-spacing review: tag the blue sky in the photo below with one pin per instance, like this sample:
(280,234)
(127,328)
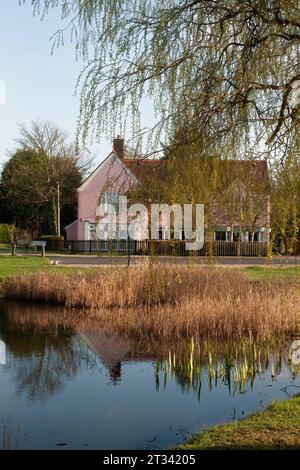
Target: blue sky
(38,85)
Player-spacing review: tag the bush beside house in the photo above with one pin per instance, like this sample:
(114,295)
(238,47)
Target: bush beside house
(7,233)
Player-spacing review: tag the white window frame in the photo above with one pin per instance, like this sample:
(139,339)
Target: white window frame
(93,230)
(87,230)
(245,236)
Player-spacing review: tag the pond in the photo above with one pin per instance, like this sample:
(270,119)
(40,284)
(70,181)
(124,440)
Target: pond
(68,388)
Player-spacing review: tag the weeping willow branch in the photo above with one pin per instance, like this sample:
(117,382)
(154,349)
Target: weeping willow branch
(229,67)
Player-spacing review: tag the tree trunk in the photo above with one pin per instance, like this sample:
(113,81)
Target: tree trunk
(58,211)
(52,218)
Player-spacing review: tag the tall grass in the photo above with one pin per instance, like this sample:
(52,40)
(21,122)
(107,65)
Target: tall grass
(170,301)
(148,284)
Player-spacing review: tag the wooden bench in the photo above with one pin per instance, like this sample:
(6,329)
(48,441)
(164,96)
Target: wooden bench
(19,243)
(42,244)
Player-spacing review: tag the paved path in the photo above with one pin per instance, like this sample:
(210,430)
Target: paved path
(91,260)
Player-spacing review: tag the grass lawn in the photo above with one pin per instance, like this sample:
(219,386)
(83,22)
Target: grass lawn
(11,265)
(5,248)
(14,265)
(260,273)
(276,428)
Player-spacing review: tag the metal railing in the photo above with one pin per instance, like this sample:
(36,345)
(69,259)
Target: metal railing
(160,247)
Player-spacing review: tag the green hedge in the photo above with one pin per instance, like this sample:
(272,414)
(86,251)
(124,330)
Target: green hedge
(51,237)
(7,233)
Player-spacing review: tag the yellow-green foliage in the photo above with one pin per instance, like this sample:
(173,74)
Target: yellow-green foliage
(6,233)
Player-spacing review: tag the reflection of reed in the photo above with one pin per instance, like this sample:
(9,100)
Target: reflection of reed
(235,365)
(10,440)
(170,302)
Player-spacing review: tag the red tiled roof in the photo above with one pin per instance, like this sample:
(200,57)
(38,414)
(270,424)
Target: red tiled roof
(231,169)
(142,168)
(246,170)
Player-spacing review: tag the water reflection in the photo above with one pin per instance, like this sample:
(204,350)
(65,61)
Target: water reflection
(2,353)
(111,350)
(52,338)
(40,358)
(112,385)
(235,366)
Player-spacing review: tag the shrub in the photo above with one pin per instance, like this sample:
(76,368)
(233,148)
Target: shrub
(7,233)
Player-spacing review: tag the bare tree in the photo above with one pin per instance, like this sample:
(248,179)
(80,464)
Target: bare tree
(56,162)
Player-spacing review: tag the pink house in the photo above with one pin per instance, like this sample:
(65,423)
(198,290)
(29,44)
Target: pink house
(118,172)
(114,176)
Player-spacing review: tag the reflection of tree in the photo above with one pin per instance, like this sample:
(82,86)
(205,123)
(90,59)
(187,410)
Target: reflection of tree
(42,360)
(46,373)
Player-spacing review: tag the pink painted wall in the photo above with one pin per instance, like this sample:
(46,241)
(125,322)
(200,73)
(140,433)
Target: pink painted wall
(71,232)
(113,174)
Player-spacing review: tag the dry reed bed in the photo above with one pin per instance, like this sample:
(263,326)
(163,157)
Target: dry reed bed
(55,321)
(171,302)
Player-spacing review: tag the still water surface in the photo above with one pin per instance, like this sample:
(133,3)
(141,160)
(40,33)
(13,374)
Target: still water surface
(88,391)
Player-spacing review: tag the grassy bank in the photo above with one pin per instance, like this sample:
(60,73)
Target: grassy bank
(276,272)
(14,265)
(11,266)
(21,264)
(171,301)
(276,428)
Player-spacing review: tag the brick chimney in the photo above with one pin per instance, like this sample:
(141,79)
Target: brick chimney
(118,146)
